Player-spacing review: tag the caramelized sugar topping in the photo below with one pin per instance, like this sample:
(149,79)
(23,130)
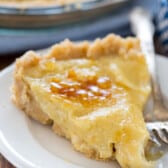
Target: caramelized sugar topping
(96,88)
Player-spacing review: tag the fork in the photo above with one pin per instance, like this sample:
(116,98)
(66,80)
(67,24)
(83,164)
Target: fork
(158,145)
(143,28)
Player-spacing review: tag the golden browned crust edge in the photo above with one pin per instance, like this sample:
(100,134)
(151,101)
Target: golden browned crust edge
(23,98)
(110,45)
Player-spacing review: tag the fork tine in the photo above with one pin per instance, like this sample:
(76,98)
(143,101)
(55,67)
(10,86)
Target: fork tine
(165,132)
(159,136)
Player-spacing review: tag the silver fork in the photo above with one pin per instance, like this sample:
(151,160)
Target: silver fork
(143,27)
(158,145)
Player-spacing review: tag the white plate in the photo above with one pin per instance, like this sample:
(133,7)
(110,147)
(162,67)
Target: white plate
(26,143)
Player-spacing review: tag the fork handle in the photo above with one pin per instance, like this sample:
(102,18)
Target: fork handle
(143,27)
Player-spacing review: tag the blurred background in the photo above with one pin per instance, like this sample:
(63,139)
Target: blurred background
(25,28)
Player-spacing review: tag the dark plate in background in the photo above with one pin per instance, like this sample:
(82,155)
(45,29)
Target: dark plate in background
(15,41)
(56,15)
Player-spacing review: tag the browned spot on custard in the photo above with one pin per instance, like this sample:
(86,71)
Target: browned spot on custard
(97,88)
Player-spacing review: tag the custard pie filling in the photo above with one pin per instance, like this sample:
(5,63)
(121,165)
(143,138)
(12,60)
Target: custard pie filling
(93,99)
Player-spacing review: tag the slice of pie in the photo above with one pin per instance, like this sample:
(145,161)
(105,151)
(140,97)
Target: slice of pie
(91,93)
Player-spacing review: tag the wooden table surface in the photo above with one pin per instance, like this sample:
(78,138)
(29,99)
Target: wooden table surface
(4,163)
